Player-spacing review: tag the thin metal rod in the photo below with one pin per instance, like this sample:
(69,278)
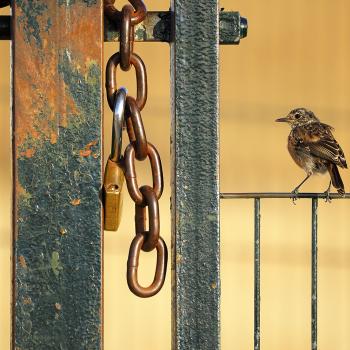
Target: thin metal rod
(257,274)
(249,195)
(314,276)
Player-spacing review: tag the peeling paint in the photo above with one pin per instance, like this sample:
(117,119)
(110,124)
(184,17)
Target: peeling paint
(28,20)
(22,261)
(27,301)
(178,258)
(58,110)
(75,201)
(63,231)
(55,263)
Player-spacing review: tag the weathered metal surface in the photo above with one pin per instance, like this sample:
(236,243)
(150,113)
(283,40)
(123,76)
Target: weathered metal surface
(257,274)
(195,163)
(57,107)
(314,275)
(157,27)
(232,28)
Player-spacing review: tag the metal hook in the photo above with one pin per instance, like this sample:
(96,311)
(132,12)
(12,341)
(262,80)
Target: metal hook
(118,122)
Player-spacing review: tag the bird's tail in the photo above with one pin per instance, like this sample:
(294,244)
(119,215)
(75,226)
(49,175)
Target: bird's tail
(337,182)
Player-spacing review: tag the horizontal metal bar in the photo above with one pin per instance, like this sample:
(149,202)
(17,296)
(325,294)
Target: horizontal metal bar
(5,25)
(248,195)
(157,27)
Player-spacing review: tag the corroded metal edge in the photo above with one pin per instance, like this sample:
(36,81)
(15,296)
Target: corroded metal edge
(195,176)
(57,167)
(157,27)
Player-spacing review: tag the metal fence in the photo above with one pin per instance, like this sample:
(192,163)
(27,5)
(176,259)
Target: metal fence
(257,196)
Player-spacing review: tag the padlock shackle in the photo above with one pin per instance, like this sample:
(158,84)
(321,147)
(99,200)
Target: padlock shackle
(118,123)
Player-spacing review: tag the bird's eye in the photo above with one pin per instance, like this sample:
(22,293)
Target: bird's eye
(297,116)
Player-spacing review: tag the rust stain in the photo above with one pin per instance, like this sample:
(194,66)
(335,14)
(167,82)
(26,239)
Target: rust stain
(28,153)
(58,306)
(37,107)
(86,152)
(53,138)
(27,301)
(75,202)
(19,188)
(63,231)
(22,261)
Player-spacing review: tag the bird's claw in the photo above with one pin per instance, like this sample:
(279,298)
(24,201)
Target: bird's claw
(328,197)
(295,195)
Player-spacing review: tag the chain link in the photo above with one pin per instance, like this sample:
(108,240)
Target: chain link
(115,16)
(135,129)
(145,197)
(141,79)
(131,177)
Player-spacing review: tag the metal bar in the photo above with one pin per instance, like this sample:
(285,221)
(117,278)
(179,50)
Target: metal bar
(314,276)
(257,274)
(250,195)
(195,178)
(5,27)
(157,27)
(57,231)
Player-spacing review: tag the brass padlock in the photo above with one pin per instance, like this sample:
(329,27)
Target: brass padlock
(113,197)
(114,174)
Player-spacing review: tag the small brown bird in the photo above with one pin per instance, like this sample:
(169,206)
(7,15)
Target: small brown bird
(314,148)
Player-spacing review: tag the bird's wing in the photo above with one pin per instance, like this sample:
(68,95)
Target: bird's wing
(321,142)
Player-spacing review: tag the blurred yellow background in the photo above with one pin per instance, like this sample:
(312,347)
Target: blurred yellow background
(297,53)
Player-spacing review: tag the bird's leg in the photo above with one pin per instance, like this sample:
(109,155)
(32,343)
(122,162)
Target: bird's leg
(296,189)
(328,198)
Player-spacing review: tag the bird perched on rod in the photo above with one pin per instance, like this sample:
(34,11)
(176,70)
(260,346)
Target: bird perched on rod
(314,148)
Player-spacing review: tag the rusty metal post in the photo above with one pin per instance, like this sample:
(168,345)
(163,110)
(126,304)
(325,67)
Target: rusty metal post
(57,108)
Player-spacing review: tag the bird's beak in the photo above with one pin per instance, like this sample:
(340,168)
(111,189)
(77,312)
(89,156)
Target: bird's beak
(284,119)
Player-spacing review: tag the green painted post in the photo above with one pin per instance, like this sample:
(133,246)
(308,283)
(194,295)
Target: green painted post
(57,156)
(195,176)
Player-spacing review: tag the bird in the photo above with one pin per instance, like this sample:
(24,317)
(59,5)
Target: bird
(313,147)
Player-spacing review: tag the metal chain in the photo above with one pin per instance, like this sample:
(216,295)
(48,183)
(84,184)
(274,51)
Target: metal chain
(145,197)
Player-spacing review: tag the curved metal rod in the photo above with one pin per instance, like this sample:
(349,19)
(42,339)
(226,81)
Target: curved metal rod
(118,122)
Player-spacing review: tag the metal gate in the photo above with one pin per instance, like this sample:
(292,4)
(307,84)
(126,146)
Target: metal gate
(57,169)
(58,172)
